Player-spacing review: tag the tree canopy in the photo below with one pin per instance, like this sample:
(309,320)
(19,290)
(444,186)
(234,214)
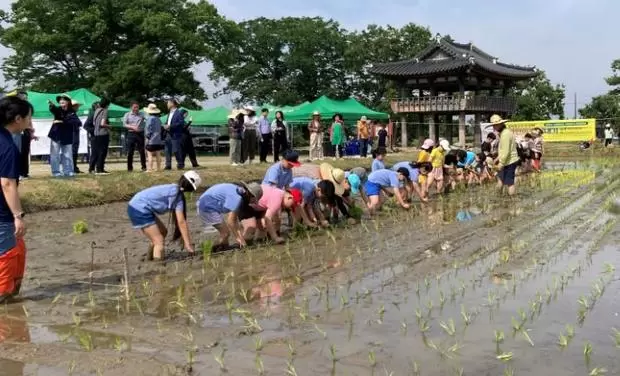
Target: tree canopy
(124,49)
(539,99)
(606,106)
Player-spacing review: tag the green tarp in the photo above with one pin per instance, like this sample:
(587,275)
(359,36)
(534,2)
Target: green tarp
(350,109)
(217,117)
(83,96)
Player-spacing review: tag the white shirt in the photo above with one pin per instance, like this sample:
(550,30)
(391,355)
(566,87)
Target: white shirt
(609,133)
(170,115)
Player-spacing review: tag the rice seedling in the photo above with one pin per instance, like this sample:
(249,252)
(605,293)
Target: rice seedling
(423,326)
(448,327)
(219,358)
(80,227)
(616,337)
(290,369)
(258,363)
(587,351)
(505,357)
(372,360)
(258,343)
(570,331)
(598,371)
(563,341)
(509,371)
(499,336)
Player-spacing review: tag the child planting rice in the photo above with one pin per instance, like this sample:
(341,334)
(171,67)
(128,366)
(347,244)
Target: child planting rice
(378,157)
(265,215)
(145,207)
(437,157)
(416,170)
(314,192)
(220,206)
(387,181)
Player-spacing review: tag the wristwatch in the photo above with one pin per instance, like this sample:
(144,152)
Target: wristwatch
(20,215)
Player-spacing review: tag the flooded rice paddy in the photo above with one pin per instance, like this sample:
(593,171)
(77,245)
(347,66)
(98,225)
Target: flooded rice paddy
(470,284)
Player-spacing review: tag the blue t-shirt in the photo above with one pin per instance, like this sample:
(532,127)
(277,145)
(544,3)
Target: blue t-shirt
(159,199)
(220,198)
(9,169)
(307,186)
(414,173)
(377,165)
(385,178)
(278,176)
(469,160)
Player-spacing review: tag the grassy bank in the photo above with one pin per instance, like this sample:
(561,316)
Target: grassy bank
(45,193)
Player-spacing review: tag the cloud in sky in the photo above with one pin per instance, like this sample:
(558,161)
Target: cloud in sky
(572,40)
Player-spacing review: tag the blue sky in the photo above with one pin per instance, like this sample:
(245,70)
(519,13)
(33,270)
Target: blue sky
(572,40)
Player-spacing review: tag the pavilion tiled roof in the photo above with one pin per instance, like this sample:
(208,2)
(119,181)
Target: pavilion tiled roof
(459,57)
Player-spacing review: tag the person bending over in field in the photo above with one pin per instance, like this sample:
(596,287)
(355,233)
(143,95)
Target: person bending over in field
(313,191)
(415,171)
(220,205)
(387,181)
(145,207)
(265,216)
(465,166)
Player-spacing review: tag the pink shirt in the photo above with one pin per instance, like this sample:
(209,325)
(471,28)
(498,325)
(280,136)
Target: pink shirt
(271,201)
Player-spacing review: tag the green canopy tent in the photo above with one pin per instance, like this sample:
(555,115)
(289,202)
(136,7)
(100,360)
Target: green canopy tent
(213,117)
(273,109)
(86,98)
(327,107)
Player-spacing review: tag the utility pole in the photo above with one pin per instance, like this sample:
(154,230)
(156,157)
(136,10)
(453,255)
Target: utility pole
(575,104)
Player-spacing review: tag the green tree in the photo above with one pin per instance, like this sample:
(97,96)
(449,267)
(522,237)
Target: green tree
(606,106)
(124,49)
(539,99)
(285,61)
(377,44)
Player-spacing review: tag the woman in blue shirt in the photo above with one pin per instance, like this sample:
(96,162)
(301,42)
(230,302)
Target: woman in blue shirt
(220,205)
(145,207)
(415,170)
(388,181)
(378,157)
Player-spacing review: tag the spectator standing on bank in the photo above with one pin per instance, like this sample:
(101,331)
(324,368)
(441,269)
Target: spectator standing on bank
(363,135)
(235,136)
(188,141)
(76,124)
(152,134)
(61,136)
(316,137)
(337,136)
(266,137)
(279,128)
(174,135)
(609,135)
(133,122)
(15,117)
(100,140)
(250,135)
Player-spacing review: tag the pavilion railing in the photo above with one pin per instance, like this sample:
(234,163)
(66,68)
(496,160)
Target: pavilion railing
(454,104)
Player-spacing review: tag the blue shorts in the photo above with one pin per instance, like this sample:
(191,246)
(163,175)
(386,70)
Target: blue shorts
(372,189)
(507,174)
(7,237)
(140,220)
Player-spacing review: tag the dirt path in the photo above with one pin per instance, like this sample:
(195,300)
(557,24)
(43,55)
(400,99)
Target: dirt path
(377,297)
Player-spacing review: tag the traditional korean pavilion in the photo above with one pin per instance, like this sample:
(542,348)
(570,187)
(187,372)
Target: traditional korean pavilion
(449,79)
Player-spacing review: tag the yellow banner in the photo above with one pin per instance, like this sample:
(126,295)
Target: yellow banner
(558,130)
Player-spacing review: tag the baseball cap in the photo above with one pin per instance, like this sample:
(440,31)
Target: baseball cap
(298,197)
(292,157)
(355,182)
(445,145)
(404,171)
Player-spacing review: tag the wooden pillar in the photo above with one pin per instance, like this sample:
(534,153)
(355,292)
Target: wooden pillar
(403,131)
(433,119)
(462,127)
(462,124)
(477,130)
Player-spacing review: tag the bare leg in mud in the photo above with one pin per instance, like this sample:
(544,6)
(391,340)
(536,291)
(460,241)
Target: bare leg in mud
(156,234)
(224,233)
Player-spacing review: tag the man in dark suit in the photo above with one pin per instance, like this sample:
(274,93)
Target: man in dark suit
(175,124)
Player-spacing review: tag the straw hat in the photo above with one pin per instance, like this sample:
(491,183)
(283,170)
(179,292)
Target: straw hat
(249,108)
(335,175)
(363,118)
(151,109)
(316,113)
(497,120)
(254,189)
(234,113)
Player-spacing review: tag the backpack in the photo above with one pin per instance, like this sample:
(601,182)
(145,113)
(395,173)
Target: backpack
(89,125)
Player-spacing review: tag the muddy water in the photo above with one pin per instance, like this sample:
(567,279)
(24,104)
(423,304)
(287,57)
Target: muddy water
(411,293)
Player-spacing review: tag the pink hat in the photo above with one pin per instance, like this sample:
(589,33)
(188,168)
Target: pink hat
(428,143)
